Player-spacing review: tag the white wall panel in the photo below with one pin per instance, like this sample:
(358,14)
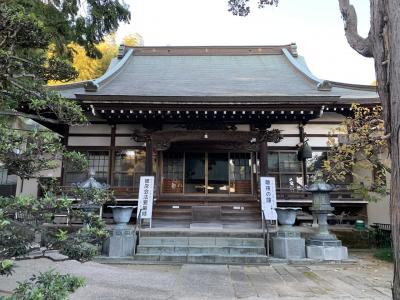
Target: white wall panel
(88,141)
(287,128)
(126,141)
(92,128)
(319,128)
(286,142)
(243,127)
(318,141)
(127,128)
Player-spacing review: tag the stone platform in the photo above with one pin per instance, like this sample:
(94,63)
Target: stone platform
(289,245)
(327,252)
(121,241)
(202,245)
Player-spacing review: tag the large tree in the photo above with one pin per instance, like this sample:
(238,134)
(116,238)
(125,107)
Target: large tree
(29,29)
(382,44)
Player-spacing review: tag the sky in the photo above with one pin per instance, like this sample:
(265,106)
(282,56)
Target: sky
(314,25)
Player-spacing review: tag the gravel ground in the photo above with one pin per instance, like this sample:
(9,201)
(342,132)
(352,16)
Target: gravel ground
(367,279)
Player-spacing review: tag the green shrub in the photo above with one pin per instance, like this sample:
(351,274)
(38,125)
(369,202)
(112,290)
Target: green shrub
(385,254)
(49,285)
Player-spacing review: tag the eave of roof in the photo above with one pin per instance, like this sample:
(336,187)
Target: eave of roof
(99,89)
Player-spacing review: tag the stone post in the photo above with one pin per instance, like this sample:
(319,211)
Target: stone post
(323,245)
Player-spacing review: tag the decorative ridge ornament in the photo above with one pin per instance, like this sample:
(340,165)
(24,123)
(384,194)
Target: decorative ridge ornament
(91,86)
(324,85)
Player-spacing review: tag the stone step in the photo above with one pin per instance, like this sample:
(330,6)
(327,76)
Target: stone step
(203,259)
(224,218)
(171,210)
(214,203)
(200,250)
(185,224)
(209,198)
(201,240)
(182,232)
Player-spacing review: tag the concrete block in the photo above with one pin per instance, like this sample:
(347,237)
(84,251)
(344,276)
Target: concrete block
(327,253)
(247,251)
(120,243)
(225,242)
(208,250)
(290,248)
(253,242)
(201,259)
(179,250)
(202,241)
(174,241)
(206,226)
(173,258)
(146,257)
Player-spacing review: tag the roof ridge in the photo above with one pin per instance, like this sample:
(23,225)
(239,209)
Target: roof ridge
(213,46)
(213,50)
(354,85)
(96,84)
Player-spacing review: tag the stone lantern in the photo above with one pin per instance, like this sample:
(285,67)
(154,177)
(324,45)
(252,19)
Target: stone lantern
(87,203)
(323,245)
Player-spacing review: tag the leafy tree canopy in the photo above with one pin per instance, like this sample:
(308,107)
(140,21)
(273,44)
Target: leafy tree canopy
(29,31)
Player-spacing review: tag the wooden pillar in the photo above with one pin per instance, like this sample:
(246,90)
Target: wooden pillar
(111,156)
(149,157)
(303,161)
(263,158)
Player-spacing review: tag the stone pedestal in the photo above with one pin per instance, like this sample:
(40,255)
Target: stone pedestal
(121,241)
(323,245)
(289,245)
(327,252)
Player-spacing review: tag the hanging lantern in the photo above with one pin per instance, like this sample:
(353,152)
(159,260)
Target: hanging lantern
(304,152)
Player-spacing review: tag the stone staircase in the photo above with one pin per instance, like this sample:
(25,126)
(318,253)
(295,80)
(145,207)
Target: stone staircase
(202,247)
(238,211)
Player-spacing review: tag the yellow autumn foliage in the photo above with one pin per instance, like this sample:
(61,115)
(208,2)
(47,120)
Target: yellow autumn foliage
(90,68)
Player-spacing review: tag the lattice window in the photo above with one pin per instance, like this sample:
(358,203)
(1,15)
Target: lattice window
(98,162)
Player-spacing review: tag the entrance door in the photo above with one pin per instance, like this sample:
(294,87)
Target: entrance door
(218,173)
(195,177)
(207,173)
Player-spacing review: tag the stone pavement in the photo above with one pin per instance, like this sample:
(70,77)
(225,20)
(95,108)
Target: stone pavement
(367,279)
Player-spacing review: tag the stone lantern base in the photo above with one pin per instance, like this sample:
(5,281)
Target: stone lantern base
(326,247)
(289,245)
(121,241)
(327,252)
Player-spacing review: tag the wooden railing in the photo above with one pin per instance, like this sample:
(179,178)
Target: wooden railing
(341,195)
(282,195)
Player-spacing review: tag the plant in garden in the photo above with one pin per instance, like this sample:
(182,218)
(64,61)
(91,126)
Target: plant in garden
(362,146)
(358,148)
(47,285)
(29,30)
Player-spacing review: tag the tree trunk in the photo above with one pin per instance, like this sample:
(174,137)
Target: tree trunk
(383,44)
(393,17)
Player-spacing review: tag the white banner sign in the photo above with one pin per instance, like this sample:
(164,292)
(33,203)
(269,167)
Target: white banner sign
(146,196)
(268,197)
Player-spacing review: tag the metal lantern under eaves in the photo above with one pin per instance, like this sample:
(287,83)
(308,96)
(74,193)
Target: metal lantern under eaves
(305,152)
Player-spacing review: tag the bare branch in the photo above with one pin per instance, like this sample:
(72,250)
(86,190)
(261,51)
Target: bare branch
(29,116)
(358,43)
(43,256)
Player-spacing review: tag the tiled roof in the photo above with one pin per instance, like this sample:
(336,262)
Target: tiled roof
(270,71)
